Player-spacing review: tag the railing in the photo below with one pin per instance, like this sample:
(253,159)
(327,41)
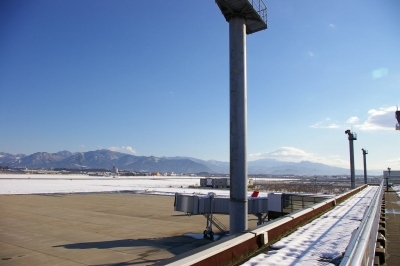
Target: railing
(261,9)
(361,249)
(295,202)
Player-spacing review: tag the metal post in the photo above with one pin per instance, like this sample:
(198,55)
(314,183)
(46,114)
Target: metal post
(365,152)
(352,170)
(352,136)
(238,124)
(387,180)
(243,17)
(315,184)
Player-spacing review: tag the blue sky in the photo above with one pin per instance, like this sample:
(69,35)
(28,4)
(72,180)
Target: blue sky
(152,78)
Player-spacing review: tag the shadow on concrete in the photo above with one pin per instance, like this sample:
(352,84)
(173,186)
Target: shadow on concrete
(163,243)
(174,244)
(135,262)
(145,247)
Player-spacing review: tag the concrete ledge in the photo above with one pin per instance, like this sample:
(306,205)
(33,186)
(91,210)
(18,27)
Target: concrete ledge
(271,225)
(216,253)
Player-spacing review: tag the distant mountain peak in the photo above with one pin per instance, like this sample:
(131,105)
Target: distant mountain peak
(106,159)
(103,159)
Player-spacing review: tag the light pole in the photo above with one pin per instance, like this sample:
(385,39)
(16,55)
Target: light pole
(365,152)
(244,18)
(315,184)
(352,136)
(387,180)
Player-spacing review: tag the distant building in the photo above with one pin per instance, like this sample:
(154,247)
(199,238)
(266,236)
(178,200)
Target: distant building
(251,182)
(215,182)
(156,174)
(220,182)
(115,170)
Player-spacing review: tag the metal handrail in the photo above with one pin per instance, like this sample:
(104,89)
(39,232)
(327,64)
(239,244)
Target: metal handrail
(261,9)
(361,249)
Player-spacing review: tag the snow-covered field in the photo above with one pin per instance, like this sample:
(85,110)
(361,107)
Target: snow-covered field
(43,184)
(37,184)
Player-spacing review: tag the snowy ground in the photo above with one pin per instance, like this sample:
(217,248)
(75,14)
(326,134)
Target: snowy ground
(43,184)
(322,240)
(397,189)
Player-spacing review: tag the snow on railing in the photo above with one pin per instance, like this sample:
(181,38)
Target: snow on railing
(361,249)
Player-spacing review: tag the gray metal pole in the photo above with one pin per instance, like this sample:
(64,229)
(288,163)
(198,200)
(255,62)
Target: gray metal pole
(238,125)
(365,165)
(352,170)
(387,180)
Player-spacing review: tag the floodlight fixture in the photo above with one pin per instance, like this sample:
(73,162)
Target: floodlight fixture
(253,11)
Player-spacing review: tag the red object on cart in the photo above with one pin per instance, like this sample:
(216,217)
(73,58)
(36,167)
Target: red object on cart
(255,194)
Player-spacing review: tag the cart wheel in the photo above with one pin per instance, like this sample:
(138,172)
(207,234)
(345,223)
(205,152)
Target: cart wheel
(211,234)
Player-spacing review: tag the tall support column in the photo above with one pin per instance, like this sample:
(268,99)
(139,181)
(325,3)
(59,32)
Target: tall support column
(238,125)
(365,152)
(352,170)
(352,136)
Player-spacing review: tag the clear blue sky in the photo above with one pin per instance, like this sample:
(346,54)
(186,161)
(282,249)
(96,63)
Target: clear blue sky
(152,78)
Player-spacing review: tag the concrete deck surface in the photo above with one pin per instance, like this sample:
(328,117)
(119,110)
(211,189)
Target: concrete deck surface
(392,228)
(95,229)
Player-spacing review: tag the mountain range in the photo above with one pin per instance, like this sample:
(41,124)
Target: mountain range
(106,159)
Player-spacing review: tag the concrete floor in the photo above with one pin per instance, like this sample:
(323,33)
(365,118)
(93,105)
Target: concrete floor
(95,229)
(392,228)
